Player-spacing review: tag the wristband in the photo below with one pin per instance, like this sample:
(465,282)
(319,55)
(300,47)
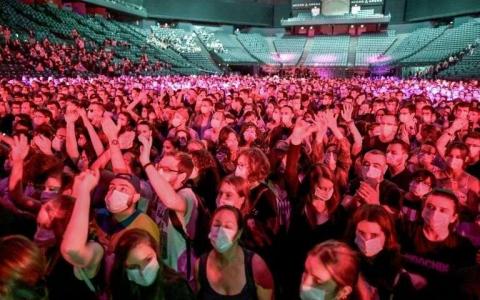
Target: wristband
(147,164)
(114,142)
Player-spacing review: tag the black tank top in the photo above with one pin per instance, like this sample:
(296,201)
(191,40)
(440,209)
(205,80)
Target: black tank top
(249,291)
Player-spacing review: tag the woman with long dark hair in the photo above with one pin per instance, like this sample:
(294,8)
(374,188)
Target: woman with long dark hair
(139,273)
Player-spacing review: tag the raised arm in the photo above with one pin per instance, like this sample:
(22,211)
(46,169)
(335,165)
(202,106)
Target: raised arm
(75,247)
(448,135)
(18,154)
(162,188)
(357,137)
(111,131)
(301,131)
(71,116)
(96,142)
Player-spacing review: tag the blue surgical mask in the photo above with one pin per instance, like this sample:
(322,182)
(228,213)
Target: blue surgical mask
(146,276)
(312,293)
(221,238)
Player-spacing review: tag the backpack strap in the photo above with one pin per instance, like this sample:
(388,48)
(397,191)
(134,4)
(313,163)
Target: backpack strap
(177,224)
(87,280)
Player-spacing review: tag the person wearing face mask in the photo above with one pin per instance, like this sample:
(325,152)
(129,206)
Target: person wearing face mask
(201,121)
(331,272)
(229,270)
(250,135)
(432,249)
(371,187)
(384,135)
(424,159)
(216,124)
(180,122)
(234,191)
(472,141)
(464,185)
(179,212)
(372,233)
(139,273)
(228,149)
(263,222)
(397,156)
(78,247)
(317,216)
(283,131)
(422,182)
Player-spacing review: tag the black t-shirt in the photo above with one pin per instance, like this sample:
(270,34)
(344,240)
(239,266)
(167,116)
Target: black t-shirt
(437,262)
(402,179)
(474,169)
(390,193)
(301,238)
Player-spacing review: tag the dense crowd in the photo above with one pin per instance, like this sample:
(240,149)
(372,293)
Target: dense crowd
(81,57)
(208,187)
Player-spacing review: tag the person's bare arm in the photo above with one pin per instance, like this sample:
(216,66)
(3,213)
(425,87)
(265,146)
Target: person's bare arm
(263,278)
(162,188)
(18,154)
(96,142)
(71,116)
(75,247)
(111,131)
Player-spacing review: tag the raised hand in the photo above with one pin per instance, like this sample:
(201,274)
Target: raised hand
(346,112)
(458,124)
(126,139)
(145,149)
(71,115)
(110,128)
(43,143)
(301,130)
(87,180)
(331,118)
(19,148)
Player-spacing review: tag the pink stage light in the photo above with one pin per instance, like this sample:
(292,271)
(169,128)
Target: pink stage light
(325,58)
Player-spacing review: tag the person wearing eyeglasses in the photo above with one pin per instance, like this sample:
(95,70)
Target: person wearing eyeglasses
(168,179)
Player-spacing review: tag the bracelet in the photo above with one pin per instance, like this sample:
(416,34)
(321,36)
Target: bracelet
(147,164)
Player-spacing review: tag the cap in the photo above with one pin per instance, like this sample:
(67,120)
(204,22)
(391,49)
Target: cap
(134,180)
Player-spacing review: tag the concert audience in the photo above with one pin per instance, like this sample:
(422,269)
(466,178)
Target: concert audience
(234,187)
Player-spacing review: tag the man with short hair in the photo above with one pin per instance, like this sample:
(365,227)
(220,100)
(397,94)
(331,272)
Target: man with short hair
(176,203)
(397,156)
(371,187)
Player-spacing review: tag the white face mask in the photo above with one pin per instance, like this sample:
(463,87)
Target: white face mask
(436,220)
(117,202)
(387,130)
(241,172)
(146,276)
(324,196)
(221,238)
(403,118)
(225,202)
(369,247)
(204,110)
(57,144)
(455,163)
(215,123)
(176,122)
(372,172)
(419,189)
